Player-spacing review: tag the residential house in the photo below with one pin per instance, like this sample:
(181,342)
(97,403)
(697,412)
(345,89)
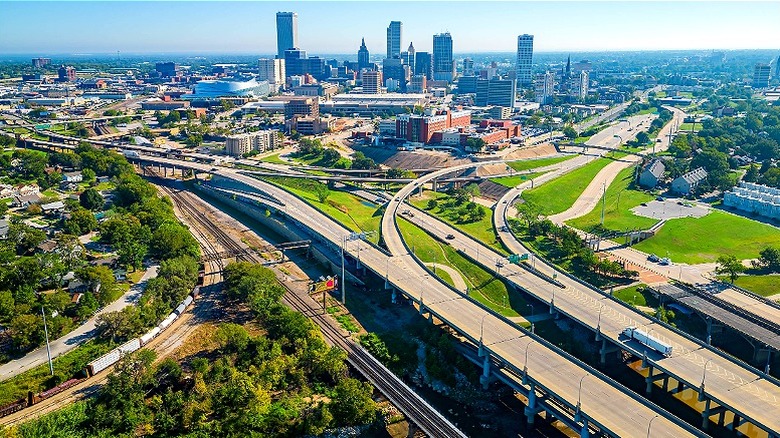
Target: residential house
(72,177)
(53,208)
(24,201)
(652,173)
(687,184)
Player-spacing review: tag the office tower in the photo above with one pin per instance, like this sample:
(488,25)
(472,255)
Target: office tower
(525,57)
(496,91)
(468,67)
(167,69)
(443,67)
(40,62)
(567,71)
(409,59)
(372,82)
(418,84)
(363,55)
(286,32)
(545,87)
(66,74)
(394,39)
(467,84)
(394,69)
(271,70)
(579,86)
(761,76)
(295,62)
(423,64)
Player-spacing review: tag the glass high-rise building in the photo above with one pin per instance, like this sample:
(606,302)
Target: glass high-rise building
(394,39)
(286,32)
(423,64)
(363,55)
(443,67)
(525,58)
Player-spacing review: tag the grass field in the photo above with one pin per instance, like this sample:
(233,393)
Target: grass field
(483,286)
(764,285)
(689,126)
(559,194)
(481,230)
(619,201)
(702,240)
(347,209)
(540,162)
(652,110)
(636,296)
(273,159)
(514,181)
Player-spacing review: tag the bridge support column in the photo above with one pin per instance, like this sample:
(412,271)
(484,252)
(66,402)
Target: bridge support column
(605,349)
(394,297)
(759,355)
(584,432)
(484,379)
(709,331)
(705,415)
(649,380)
(532,409)
(679,388)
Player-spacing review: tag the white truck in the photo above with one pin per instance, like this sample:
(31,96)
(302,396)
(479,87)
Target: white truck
(648,341)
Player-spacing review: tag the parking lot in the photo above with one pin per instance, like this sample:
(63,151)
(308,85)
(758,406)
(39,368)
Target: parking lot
(671,208)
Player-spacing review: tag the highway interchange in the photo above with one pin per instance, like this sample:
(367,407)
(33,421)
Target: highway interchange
(588,393)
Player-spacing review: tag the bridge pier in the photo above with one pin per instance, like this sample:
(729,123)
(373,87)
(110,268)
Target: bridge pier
(760,353)
(606,348)
(484,379)
(651,378)
(584,432)
(705,415)
(533,407)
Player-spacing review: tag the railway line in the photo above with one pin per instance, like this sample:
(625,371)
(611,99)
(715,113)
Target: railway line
(411,404)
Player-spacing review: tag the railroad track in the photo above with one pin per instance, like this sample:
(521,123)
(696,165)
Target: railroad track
(414,407)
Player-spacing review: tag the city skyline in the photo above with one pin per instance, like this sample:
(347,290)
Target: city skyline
(492,27)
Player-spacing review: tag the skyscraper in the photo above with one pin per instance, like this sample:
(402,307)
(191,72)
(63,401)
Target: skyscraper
(496,91)
(423,64)
(545,87)
(271,70)
(409,60)
(372,82)
(468,67)
(394,39)
(761,75)
(286,32)
(363,57)
(443,68)
(525,56)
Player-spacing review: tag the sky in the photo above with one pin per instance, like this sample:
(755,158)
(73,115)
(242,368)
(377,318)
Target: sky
(64,27)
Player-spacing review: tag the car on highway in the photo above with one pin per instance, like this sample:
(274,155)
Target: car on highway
(450,236)
(665,261)
(653,258)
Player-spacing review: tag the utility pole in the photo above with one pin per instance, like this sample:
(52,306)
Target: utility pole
(603,202)
(48,350)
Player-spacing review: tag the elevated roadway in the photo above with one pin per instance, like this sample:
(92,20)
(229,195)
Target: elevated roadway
(559,383)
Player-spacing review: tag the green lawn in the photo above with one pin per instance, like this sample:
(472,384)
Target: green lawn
(689,126)
(636,296)
(274,159)
(481,230)
(483,286)
(764,285)
(539,162)
(618,215)
(514,181)
(652,110)
(559,194)
(702,240)
(347,209)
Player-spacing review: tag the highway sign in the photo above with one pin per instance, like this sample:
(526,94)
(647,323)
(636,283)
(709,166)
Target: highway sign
(43,126)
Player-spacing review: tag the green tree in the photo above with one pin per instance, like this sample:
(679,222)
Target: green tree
(769,258)
(91,199)
(352,403)
(642,137)
(322,192)
(100,280)
(81,221)
(570,133)
(26,331)
(729,265)
(88,176)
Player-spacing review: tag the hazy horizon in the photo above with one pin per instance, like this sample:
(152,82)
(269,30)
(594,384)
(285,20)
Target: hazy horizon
(100,27)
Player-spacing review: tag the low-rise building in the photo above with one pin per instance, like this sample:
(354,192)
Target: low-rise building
(687,183)
(754,199)
(308,125)
(72,177)
(652,173)
(241,144)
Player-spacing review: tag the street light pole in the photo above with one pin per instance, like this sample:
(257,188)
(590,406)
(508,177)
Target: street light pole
(46,332)
(703,377)
(525,363)
(650,424)
(579,394)
(482,328)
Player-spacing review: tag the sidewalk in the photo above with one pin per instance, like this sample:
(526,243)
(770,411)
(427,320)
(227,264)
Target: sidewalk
(78,336)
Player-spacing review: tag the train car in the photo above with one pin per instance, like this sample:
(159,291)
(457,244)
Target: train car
(648,341)
(187,301)
(180,309)
(167,321)
(112,356)
(151,334)
(196,292)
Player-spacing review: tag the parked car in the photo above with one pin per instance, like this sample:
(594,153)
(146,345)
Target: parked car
(653,258)
(665,262)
